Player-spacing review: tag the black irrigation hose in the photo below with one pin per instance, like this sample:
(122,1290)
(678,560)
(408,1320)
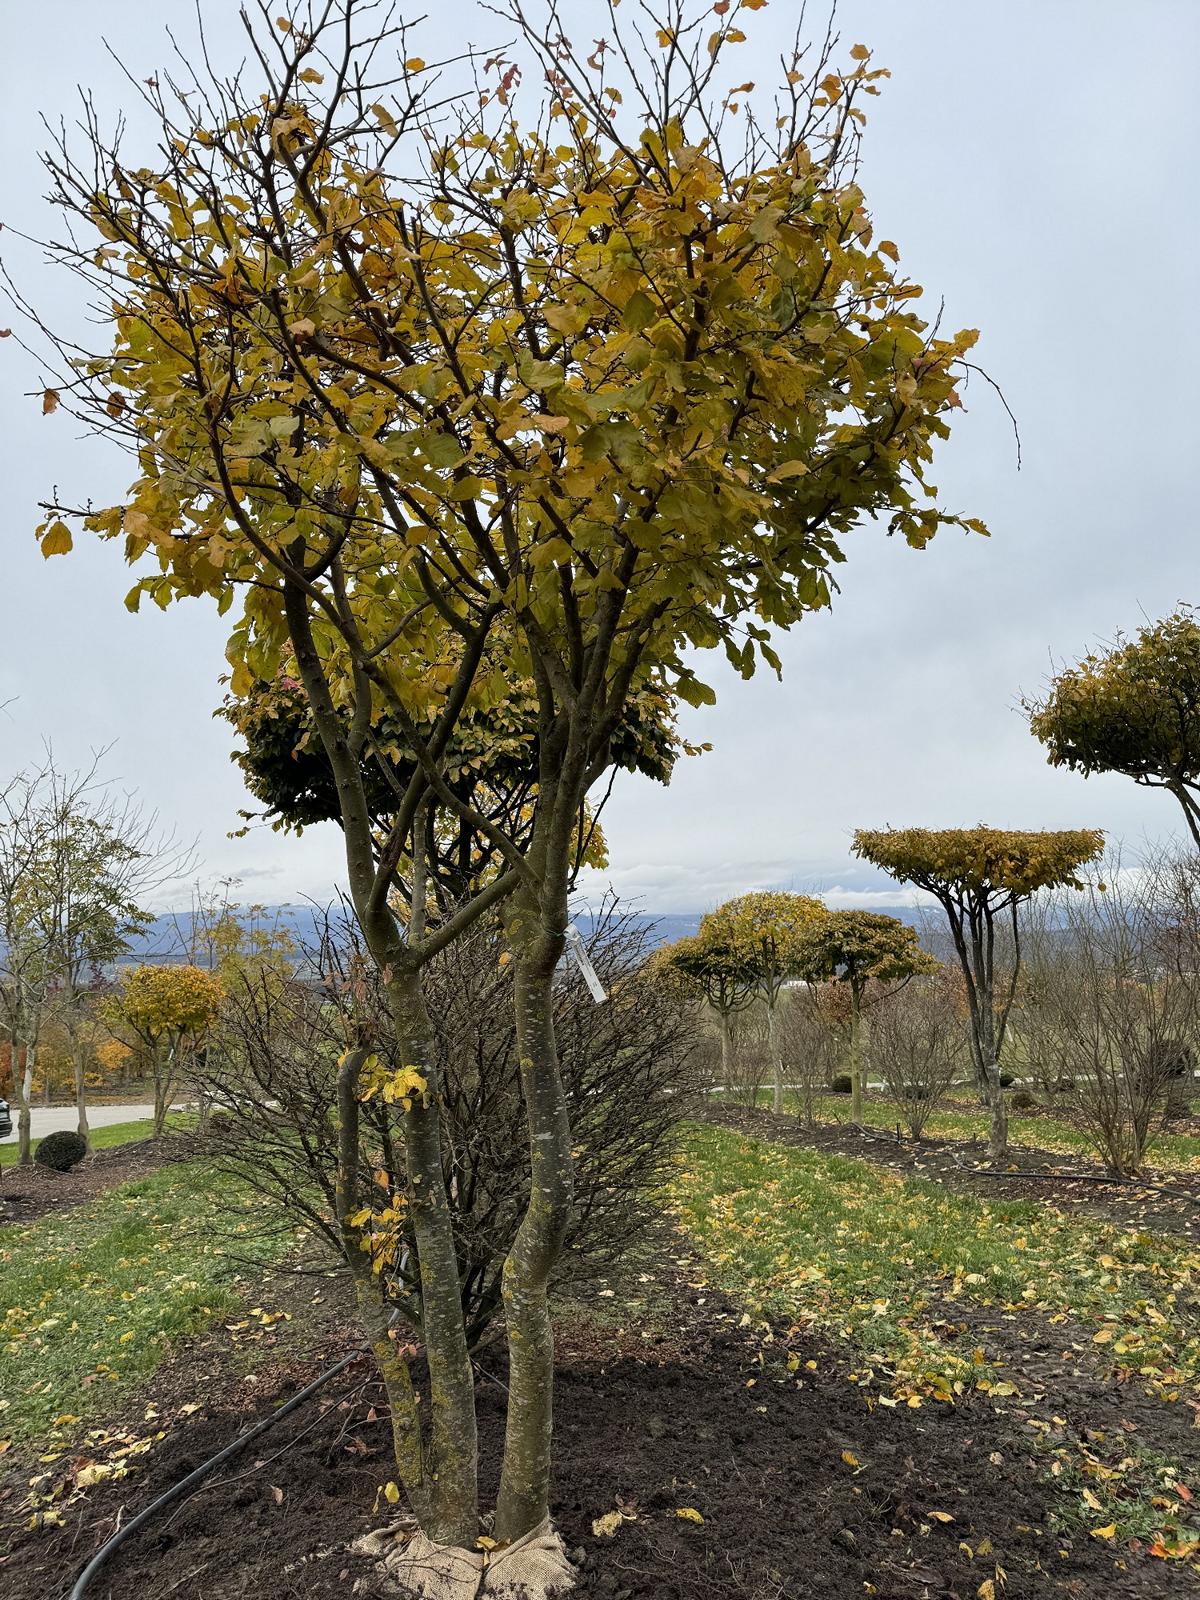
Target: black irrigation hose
(194,1479)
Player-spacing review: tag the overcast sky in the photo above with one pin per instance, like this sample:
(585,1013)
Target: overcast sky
(1035,161)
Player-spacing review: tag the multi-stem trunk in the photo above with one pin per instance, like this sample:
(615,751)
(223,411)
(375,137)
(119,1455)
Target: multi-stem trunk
(369,1296)
(451,1511)
(775,1053)
(856,1056)
(523,1502)
(162,1091)
(726,1053)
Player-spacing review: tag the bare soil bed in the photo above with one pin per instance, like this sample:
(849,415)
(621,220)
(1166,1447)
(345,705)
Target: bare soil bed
(806,1486)
(33,1191)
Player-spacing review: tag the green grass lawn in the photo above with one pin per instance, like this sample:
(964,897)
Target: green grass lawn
(935,1294)
(1168,1152)
(91,1299)
(105,1138)
(889,1263)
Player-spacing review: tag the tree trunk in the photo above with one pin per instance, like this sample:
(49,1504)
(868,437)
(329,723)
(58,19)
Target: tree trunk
(524,1496)
(726,1054)
(998,1133)
(160,1102)
(856,1054)
(776,1055)
(77,1068)
(452,1515)
(23,1088)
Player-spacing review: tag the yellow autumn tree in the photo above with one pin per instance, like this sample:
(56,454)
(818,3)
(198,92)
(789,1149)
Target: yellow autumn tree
(453,398)
(170,1009)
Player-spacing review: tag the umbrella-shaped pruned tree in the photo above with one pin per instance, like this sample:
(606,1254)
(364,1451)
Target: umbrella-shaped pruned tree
(170,1009)
(1133,708)
(980,877)
(461,382)
(719,972)
(761,934)
(859,949)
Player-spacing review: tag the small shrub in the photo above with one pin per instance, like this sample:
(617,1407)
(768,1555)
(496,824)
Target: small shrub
(1007,1079)
(60,1151)
(840,1083)
(1064,1085)
(1024,1101)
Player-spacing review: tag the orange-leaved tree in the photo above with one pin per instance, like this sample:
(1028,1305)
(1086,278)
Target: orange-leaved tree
(455,400)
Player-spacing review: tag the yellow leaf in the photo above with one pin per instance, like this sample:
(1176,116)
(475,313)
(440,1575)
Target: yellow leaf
(311,75)
(49,401)
(302,329)
(391,1493)
(986,1590)
(1107,1532)
(57,541)
(859,52)
(851,1459)
(689,1514)
(414,64)
(1090,1499)
(940,1516)
(604,1527)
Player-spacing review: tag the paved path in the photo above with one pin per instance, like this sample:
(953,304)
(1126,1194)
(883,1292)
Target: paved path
(50,1119)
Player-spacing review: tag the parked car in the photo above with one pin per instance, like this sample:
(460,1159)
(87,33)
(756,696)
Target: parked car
(5,1120)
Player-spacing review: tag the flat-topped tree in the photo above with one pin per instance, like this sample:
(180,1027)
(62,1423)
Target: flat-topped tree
(980,876)
(1133,708)
(717,970)
(858,949)
(462,381)
(762,932)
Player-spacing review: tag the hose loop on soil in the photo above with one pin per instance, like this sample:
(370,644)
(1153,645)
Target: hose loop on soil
(193,1479)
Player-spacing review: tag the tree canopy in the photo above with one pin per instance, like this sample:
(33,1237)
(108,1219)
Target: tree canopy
(977,866)
(858,947)
(1133,708)
(168,1003)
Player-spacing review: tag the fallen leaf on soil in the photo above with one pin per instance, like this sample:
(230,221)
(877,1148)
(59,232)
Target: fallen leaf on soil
(1109,1531)
(689,1514)
(604,1527)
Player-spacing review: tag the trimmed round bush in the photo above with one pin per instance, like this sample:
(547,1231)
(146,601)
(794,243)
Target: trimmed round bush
(1023,1101)
(60,1151)
(841,1083)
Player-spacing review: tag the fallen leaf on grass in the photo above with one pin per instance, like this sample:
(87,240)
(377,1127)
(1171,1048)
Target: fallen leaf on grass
(1109,1531)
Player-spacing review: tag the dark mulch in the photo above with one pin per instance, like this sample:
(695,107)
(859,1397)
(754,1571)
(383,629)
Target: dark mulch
(1170,1203)
(33,1191)
(806,1485)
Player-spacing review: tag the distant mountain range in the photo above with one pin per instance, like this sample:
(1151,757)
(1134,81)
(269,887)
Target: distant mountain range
(172,936)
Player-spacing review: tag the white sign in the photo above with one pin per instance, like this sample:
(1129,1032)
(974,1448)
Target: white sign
(583,961)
